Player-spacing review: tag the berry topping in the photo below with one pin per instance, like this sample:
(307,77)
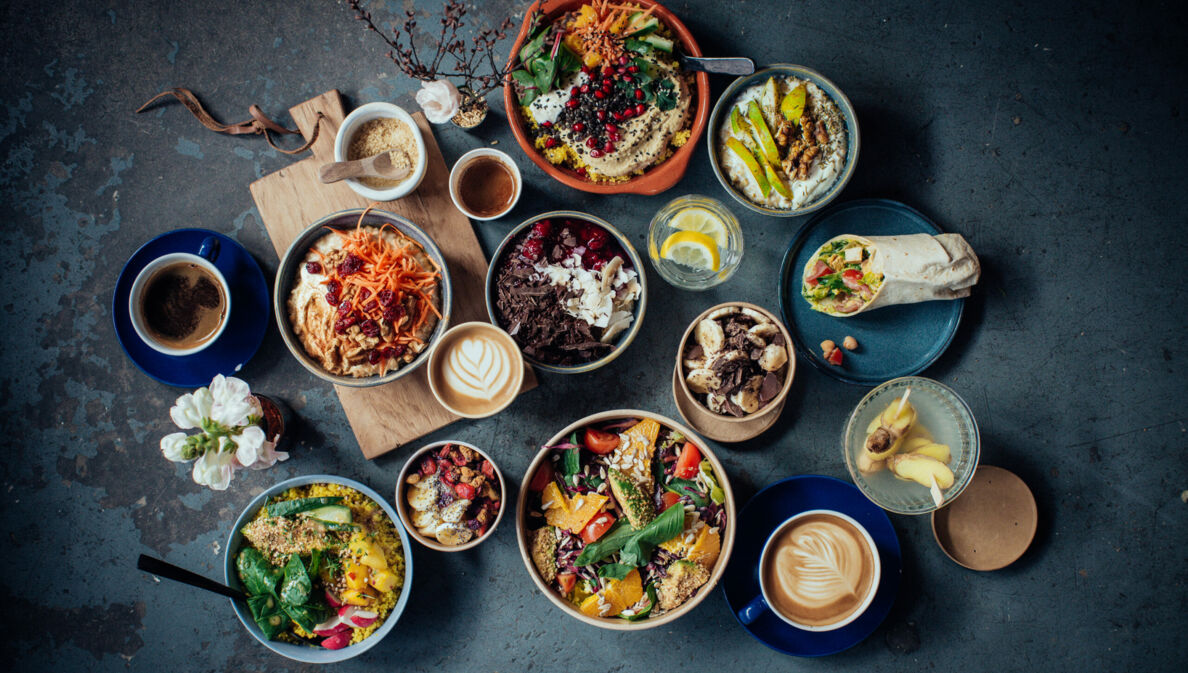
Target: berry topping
(313,267)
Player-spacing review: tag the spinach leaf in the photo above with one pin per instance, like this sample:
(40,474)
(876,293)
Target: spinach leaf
(615,571)
(267,613)
(306,616)
(315,561)
(567,61)
(533,47)
(530,92)
(651,590)
(297,585)
(832,281)
(257,574)
(689,488)
(571,464)
(634,545)
(291,507)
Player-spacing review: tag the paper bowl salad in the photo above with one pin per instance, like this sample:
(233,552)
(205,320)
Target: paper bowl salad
(625,520)
(325,565)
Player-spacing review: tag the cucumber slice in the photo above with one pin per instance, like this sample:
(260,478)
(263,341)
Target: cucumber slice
(331,514)
(638,28)
(657,42)
(291,507)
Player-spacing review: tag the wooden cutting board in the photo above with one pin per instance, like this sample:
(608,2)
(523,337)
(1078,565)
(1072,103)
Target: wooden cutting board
(289,200)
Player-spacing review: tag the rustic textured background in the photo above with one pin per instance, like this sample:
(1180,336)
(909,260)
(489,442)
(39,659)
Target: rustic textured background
(1048,133)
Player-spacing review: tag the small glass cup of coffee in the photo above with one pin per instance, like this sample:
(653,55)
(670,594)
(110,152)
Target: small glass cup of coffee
(485,184)
(819,571)
(179,302)
(475,370)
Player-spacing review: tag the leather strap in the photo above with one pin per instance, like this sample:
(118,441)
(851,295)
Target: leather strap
(257,125)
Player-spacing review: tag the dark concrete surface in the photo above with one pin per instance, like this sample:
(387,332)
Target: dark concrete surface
(1048,133)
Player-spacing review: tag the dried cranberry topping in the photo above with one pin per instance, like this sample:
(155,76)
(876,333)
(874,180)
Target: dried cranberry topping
(370,328)
(393,314)
(371,306)
(373,357)
(313,267)
(386,297)
(350,265)
(344,308)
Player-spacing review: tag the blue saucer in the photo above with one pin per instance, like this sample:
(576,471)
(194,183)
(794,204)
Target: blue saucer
(894,341)
(771,507)
(248,320)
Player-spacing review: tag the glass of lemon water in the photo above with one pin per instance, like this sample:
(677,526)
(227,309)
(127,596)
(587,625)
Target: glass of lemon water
(695,242)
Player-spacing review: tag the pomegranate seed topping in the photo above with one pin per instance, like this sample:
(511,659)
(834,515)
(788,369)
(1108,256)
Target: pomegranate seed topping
(611,128)
(608,147)
(607,71)
(586,69)
(581,172)
(591,142)
(628,78)
(607,84)
(571,103)
(623,60)
(596,153)
(639,94)
(614,135)
(599,94)
(579,127)
(617,115)
(585,88)
(621,70)
(640,108)
(550,142)
(547,124)
(601,114)
(633,68)
(574,91)
(313,267)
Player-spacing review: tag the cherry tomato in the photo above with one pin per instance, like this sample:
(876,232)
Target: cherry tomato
(597,526)
(853,279)
(567,582)
(834,357)
(686,465)
(601,442)
(669,498)
(544,474)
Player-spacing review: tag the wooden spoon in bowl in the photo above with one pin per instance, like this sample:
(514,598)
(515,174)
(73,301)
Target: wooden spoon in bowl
(378,166)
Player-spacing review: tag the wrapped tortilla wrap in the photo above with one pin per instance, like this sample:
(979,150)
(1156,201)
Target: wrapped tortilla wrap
(914,268)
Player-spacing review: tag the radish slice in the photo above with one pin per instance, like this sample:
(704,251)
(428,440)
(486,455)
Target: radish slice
(363,618)
(328,627)
(337,642)
(332,599)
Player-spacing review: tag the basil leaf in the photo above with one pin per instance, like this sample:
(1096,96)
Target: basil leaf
(615,571)
(651,590)
(257,574)
(297,585)
(635,553)
(291,507)
(571,464)
(634,546)
(664,527)
(689,488)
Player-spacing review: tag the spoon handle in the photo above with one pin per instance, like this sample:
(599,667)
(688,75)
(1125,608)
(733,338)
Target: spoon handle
(732,65)
(340,171)
(169,571)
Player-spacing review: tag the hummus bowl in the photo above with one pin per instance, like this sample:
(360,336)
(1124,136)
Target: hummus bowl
(390,362)
(610,111)
(593,275)
(617,573)
(799,157)
(361,500)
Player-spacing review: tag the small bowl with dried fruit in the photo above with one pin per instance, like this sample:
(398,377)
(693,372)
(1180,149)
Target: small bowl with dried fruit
(450,496)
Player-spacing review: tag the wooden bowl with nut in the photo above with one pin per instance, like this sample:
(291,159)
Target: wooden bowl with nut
(736,362)
(450,496)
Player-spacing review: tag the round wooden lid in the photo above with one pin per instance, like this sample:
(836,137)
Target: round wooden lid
(711,425)
(991,524)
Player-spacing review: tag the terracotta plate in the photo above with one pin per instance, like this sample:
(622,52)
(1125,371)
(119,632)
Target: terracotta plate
(991,524)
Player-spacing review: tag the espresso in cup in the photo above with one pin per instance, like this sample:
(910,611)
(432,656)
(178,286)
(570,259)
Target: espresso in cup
(476,369)
(183,305)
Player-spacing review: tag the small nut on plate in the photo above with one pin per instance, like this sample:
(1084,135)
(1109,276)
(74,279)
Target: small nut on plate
(850,343)
(827,345)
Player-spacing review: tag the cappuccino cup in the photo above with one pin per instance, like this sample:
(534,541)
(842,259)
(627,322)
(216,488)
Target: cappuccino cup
(819,571)
(180,302)
(475,370)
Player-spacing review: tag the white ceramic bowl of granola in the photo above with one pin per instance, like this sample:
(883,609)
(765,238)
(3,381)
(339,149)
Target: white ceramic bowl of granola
(346,133)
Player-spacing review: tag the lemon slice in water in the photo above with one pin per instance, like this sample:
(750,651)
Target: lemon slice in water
(703,221)
(692,249)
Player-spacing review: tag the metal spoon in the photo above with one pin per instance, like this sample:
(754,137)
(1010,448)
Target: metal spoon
(169,571)
(378,166)
(733,65)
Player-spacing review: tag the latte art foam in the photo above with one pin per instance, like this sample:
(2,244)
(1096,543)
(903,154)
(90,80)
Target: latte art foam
(478,368)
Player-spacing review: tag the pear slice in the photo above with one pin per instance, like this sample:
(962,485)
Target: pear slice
(766,142)
(921,469)
(738,125)
(735,145)
(773,177)
(792,106)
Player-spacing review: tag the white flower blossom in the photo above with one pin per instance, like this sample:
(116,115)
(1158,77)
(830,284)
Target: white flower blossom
(215,468)
(440,100)
(189,409)
(249,445)
(232,401)
(173,446)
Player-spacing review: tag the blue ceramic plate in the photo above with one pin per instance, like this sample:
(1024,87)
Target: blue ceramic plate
(248,320)
(895,341)
(306,653)
(767,510)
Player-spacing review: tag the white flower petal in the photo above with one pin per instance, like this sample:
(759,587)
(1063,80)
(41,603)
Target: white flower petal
(173,446)
(249,445)
(440,100)
(185,412)
(214,469)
